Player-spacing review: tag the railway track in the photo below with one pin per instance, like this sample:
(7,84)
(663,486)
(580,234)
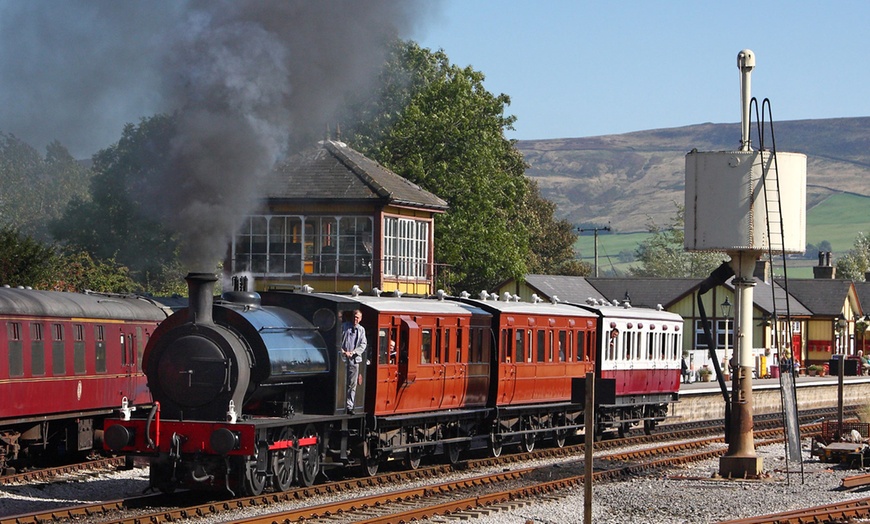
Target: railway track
(65,471)
(494,489)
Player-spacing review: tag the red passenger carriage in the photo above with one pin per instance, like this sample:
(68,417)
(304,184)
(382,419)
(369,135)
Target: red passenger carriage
(541,348)
(66,361)
(638,358)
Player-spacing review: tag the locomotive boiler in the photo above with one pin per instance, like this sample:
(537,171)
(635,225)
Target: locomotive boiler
(214,361)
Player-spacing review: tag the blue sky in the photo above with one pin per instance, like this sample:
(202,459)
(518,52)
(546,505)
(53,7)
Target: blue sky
(578,68)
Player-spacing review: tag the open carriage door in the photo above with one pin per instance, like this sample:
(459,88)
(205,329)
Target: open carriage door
(409,351)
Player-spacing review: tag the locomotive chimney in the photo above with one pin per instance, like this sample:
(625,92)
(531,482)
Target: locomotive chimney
(200,291)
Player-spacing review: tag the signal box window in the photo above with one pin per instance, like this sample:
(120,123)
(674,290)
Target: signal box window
(299,244)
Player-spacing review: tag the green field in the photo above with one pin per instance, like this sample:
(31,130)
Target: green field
(837,219)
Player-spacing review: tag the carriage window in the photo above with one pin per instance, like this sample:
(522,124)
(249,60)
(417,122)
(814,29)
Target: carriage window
(16,356)
(386,346)
(78,349)
(437,346)
(541,345)
(581,342)
(459,345)
(447,345)
(100,358)
(426,348)
(37,350)
(58,356)
(614,344)
(140,344)
(474,350)
(563,343)
(627,345)
(638,345)
(482,346)
(521,353)
(650,345)
(551,346)
(100,351)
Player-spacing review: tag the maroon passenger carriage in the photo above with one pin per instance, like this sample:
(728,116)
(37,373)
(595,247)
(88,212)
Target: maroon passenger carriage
(67,360)
(540,349)
(638,372)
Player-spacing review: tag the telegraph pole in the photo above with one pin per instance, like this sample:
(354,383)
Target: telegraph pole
(595,231)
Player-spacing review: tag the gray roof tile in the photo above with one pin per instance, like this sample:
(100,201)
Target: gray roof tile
(334,172)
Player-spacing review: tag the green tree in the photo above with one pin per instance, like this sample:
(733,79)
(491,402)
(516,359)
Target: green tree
(855,264)
(663,254)
(26,262)
(78,271)
(36,189)
(114,225)
(435,124)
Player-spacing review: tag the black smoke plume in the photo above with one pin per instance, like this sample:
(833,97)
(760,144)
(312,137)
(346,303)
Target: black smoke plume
(244,79)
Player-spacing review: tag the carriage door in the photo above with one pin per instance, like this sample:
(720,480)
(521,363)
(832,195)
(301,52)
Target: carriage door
(387,383)
(455,369)
(511,350)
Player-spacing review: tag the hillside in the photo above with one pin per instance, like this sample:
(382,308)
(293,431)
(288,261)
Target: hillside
(627,180)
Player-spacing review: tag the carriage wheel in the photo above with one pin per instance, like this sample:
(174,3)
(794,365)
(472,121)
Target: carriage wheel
(648,426)
(415,455)
(371,465)
(309,459)
(253,481)
(453,450)
(283,464)
(372,458)
(495,445)
(529,442)
(624,429)
(560,436)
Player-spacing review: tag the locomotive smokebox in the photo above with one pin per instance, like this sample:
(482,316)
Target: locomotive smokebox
(200,290)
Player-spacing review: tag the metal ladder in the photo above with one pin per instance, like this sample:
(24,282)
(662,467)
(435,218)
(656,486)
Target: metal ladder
(776,245)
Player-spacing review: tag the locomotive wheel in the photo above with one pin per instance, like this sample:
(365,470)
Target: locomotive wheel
(254,481)
(529,442)
(161,476)
(309,459)
(283,464)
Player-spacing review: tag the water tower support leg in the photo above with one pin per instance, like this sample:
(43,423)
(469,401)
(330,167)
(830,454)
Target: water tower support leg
(741,460)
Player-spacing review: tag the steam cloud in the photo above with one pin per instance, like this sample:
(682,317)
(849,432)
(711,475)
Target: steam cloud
(245,79)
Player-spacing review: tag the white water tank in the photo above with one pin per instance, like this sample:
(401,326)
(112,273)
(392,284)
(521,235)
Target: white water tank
(726,209)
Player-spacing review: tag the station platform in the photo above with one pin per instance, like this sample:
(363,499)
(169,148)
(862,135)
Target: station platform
(703,400)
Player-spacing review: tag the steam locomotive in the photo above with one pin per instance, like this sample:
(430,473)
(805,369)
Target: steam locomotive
(249,389)
(67,360)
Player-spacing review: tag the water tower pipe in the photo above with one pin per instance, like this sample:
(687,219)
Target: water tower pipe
(746,63)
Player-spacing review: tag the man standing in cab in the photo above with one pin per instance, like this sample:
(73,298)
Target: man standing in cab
(353,347)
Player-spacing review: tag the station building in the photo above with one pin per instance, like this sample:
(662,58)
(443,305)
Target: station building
(332,219)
